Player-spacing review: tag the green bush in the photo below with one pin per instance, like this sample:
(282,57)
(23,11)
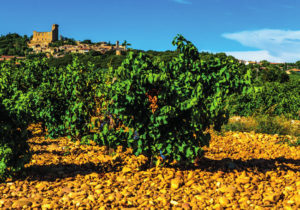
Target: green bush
(14,150)
(267,123)
(237,126)
(273,98)
(168,106)
(63,99)
(276,125)
(273,74)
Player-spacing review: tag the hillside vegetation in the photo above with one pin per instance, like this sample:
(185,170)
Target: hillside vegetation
(147,130)
(14,44)
(87,103)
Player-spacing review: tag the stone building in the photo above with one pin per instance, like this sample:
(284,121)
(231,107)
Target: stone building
(43,39)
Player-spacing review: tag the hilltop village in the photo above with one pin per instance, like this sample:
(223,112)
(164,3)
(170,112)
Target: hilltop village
(50,44)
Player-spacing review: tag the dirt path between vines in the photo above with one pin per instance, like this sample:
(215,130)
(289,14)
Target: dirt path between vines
(239,171)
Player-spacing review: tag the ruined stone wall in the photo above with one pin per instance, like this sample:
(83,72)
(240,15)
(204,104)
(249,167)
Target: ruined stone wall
(44,38)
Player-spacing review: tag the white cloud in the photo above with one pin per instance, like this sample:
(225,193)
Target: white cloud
(254,56)
(273,45)
(182,1)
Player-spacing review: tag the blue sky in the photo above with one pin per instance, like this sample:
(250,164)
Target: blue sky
(247,29)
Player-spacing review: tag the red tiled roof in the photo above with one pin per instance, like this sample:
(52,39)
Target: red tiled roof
(8,56)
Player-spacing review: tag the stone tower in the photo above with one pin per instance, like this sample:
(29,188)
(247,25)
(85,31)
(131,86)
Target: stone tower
(54,32)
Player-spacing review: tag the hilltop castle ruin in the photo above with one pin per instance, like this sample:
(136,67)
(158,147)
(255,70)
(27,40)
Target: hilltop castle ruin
(44,38)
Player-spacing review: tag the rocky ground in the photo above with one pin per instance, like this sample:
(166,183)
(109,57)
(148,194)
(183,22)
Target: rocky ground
(239,171)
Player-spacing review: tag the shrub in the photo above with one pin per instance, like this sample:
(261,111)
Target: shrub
(14,150)
(168,106)
(274,74)
(276,125)
(241,124)
(268,124)
(62,99)
(273,98)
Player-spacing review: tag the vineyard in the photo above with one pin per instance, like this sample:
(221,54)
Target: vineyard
(145,134)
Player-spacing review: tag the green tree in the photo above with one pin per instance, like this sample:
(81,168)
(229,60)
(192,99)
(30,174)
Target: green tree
(87,41)
(297,64)
(273,74)
(126,44)
(264,63)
